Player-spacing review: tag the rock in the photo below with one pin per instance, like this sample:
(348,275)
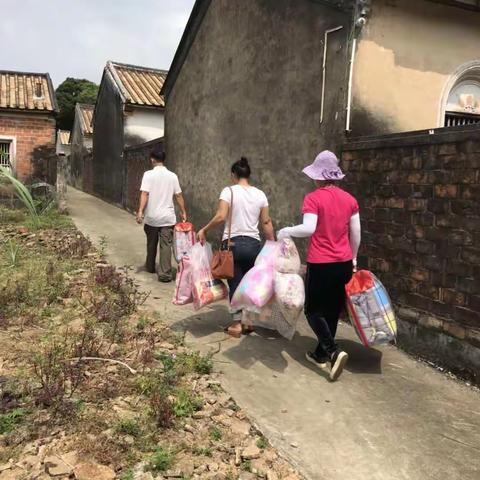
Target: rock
(293,476)
(189,428)
(238,457)
(172,474)
(251,452)
(145,476)
(213,467)
(12,474)
(56,467)
(294,444)
(239,427)
(91,471)
(247,476)
(271,475)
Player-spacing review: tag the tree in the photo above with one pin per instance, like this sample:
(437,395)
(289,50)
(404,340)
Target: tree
(69,92)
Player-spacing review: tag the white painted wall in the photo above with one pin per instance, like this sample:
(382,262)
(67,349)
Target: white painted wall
(143,125)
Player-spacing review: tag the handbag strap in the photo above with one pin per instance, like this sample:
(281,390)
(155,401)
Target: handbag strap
(230,213)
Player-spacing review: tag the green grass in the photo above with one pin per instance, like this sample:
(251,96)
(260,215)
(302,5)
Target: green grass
(11,419)
(128,427)
(203,451)
(246,466)
(127,475)
(186,403)
(161,460)
(215,434)
(262,443)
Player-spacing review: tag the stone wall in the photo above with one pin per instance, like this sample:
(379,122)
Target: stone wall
(35,144)
(420,208)
(137,159)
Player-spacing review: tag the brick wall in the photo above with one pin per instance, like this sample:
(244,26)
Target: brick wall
(137,159)
(35,144)
(420,209)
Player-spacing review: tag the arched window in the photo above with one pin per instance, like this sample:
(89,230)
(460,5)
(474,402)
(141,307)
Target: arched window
(461,104)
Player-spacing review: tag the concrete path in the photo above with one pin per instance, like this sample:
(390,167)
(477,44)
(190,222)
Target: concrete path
(388,418)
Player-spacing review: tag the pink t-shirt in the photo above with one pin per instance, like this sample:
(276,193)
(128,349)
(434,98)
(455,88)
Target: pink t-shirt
(330,243)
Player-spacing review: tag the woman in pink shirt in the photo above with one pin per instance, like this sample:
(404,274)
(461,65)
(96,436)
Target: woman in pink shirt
(331,219)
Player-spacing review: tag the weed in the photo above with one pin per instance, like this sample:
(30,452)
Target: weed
(128,427)
(186,403)
(215,434)
(103,246)
(197,363)
(127,475)
(262,443)
(246,466)
(158,394)
(12,253)
(161,460)
(9,420)
(203,451)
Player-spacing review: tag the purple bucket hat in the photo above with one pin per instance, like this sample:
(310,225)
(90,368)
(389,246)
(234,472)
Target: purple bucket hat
(325,167)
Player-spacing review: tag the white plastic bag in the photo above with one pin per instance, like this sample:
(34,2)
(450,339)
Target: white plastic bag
(287,259)
(205,289)
(290,294)
(267,254)
(183,282)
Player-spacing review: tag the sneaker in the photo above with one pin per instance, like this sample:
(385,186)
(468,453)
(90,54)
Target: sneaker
(337,364)
(318,361)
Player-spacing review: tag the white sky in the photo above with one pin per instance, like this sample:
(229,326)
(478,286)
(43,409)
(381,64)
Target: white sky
(75,38)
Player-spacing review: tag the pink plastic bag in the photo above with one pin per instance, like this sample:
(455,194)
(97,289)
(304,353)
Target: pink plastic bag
(267,254)
(255,289)
(183,240)
(183,289)
(205,289)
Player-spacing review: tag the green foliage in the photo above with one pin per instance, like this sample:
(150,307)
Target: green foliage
(246,466)
(70,92)
(161,460)
(9,420)
(215,433)
(203,451)
(262,443)
(128,427)
(127,475)
(197,363)
(12,253)
(186,403)
(22,193)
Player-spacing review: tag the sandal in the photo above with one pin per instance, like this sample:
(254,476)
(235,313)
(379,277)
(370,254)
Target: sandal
(233,330)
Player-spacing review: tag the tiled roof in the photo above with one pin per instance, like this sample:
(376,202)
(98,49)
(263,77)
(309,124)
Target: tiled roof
(138,85)
(84,112)
(26,91)
(64,136)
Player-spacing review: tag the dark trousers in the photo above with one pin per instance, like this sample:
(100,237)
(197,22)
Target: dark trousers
(159,238)
(325,300)
(245,251)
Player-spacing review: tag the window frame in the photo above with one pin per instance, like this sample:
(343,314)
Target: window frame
(13,149)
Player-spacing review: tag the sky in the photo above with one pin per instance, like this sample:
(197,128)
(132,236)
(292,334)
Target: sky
(75,38)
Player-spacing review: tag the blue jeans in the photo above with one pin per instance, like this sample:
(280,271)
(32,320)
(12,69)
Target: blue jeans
(245,251)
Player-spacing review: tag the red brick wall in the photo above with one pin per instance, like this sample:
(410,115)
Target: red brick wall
(420,210)
(35,143)
(137,160)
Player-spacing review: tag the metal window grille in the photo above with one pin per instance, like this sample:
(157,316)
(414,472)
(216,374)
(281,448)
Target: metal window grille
(458,119)
(5,155)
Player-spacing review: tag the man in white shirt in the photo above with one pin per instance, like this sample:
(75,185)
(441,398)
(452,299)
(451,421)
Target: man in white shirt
(159,189)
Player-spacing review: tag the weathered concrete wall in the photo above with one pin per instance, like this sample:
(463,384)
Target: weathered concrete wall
(78,149)
(33,139)
(251,85)
(420,207)
(406,55)
(138,162)
(143,125)
(108,164)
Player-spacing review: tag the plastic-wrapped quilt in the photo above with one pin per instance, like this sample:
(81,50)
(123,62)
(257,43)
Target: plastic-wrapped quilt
(370,309)
(183,240)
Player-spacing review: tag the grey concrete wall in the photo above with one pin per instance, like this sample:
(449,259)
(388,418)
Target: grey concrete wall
(108,165)
(251,85)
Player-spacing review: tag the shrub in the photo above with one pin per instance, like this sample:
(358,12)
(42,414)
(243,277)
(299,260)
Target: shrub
(186,403)
(262,443)
(215,434)
(128,427)
(161,460)
(9,420)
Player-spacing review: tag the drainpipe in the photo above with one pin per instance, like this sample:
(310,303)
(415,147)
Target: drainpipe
(350,81)
(324,68)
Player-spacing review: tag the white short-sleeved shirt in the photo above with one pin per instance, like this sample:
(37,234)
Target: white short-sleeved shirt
(247,204)
(161,185)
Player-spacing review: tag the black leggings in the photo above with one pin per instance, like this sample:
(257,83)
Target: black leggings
(325,300)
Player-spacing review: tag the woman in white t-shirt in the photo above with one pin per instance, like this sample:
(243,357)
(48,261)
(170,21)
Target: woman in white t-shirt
(250,208)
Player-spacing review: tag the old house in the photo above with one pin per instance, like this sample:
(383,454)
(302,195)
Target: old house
(81,146)
(129,111)
(27,124)
(279,80)
(63,143)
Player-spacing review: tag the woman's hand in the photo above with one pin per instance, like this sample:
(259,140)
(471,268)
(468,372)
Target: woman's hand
(202,236)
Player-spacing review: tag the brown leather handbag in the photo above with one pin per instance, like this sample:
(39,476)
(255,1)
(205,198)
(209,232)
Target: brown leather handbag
(222,261)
